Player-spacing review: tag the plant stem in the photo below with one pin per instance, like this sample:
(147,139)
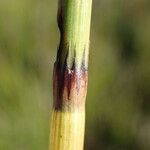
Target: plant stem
(71,75)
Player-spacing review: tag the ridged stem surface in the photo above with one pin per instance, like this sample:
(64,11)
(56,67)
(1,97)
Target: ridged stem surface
(70,76)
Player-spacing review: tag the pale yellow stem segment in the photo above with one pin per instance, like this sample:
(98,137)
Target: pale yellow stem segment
(67,130)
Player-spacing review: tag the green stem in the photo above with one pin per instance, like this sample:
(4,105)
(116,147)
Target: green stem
(74,17)
(71,75)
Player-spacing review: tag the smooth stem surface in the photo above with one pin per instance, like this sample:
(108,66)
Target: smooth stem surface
(71,75)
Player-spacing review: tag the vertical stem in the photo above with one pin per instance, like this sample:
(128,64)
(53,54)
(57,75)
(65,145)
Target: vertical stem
(71,75)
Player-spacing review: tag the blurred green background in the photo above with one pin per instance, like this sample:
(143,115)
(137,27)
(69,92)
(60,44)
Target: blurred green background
(118,102)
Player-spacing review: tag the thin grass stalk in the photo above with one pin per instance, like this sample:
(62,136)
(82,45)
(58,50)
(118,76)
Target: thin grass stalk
(70,76)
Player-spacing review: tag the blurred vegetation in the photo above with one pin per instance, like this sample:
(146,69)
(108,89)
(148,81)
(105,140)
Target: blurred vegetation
(118,102)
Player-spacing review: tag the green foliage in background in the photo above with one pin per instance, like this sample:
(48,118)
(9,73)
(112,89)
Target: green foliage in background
(118,103)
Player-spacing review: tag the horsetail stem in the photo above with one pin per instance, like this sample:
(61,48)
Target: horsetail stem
(71,75)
